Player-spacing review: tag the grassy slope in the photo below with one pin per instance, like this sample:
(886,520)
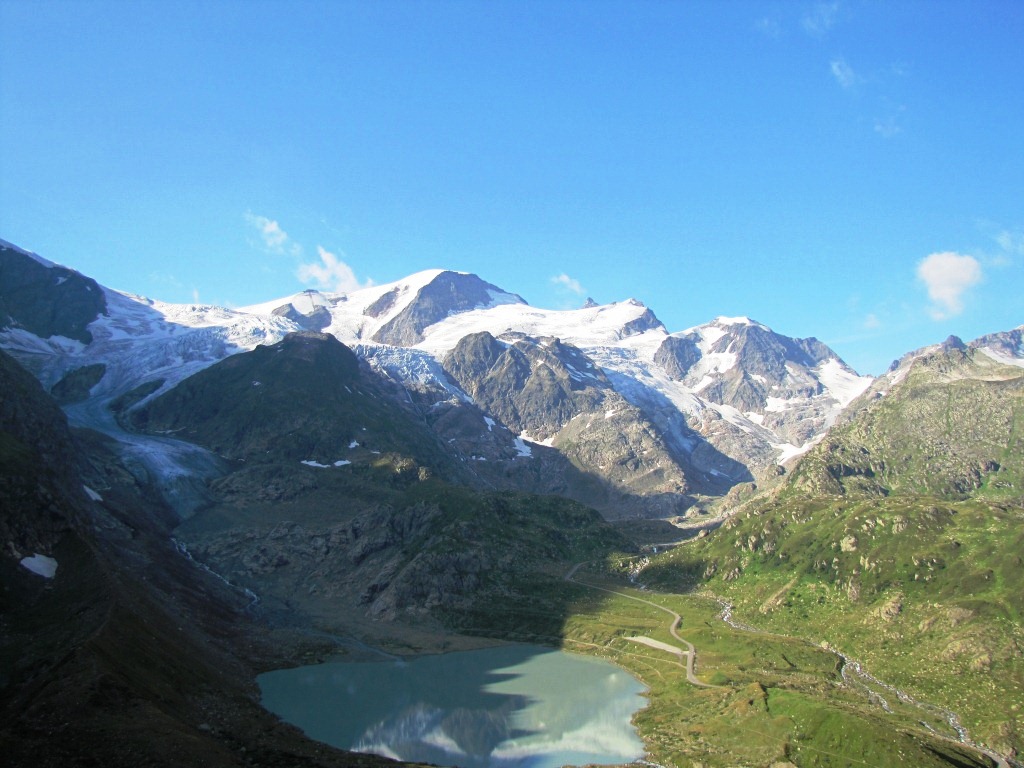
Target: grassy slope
(899,541)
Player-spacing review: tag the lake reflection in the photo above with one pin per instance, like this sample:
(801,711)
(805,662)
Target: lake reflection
(500,707)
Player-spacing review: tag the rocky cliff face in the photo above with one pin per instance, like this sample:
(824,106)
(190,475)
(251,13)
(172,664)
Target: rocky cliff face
(555,393)
(774,380)
(531,385)
(46,299)
(446,294)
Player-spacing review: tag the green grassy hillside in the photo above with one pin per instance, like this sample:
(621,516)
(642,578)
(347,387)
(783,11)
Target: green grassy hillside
(898,540)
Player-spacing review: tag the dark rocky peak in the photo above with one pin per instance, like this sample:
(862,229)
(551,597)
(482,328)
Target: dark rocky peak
(310,314)
(448,293)
(567,359)
(46,299)
(954,344)
(384,304)
(320,353)
(528,384)
(761,351)
(647,321)
(589,303)
(678,354)
(1008,343)
(474,357)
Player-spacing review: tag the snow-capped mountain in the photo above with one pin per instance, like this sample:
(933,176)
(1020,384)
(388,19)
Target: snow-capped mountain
(608,387)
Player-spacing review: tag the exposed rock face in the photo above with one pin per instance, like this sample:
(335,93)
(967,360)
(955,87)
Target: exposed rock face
(678,354)
(531,385)
(775,380)
(316,319)
(47,300)
(1007,343)
(76,384)
(447,293)
(553,391)
(759,365)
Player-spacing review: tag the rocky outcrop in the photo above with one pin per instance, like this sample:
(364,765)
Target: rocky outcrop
(448,293)
(46,299)
(530,385)
(77,383)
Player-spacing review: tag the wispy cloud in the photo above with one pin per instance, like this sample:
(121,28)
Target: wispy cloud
(273,238)
(948,276)
(820,19)
(887,127)
(331,274)
(1011,241)
(843,73)
(569,284)
(871,322)
(769,27)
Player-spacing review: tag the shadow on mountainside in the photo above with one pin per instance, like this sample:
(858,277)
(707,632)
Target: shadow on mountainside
(122,653)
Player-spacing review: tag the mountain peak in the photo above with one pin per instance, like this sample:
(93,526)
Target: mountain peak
(446,293)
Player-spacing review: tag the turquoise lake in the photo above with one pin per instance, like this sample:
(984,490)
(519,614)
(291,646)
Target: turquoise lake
(513,706)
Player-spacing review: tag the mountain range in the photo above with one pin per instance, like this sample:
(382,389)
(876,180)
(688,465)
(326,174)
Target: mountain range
(386,464)
(656,421)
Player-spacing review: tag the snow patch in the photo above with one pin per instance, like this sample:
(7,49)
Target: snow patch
(41,565)
(843,384)
(522,449)
(1001,358)
(489,422)
(91,493)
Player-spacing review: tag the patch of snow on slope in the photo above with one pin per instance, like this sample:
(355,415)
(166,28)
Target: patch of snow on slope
(1004,359)
(591,326)
(843,384)
(41,565)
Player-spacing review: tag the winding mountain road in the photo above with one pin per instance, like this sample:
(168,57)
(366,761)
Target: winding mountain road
(690,652)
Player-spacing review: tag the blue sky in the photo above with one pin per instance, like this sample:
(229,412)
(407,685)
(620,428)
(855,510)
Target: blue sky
(847,170)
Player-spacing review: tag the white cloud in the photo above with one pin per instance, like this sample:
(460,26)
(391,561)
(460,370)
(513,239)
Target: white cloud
(331,274)
(843,73)
(947,276)
(820,18)
(569,284)
(274,238)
